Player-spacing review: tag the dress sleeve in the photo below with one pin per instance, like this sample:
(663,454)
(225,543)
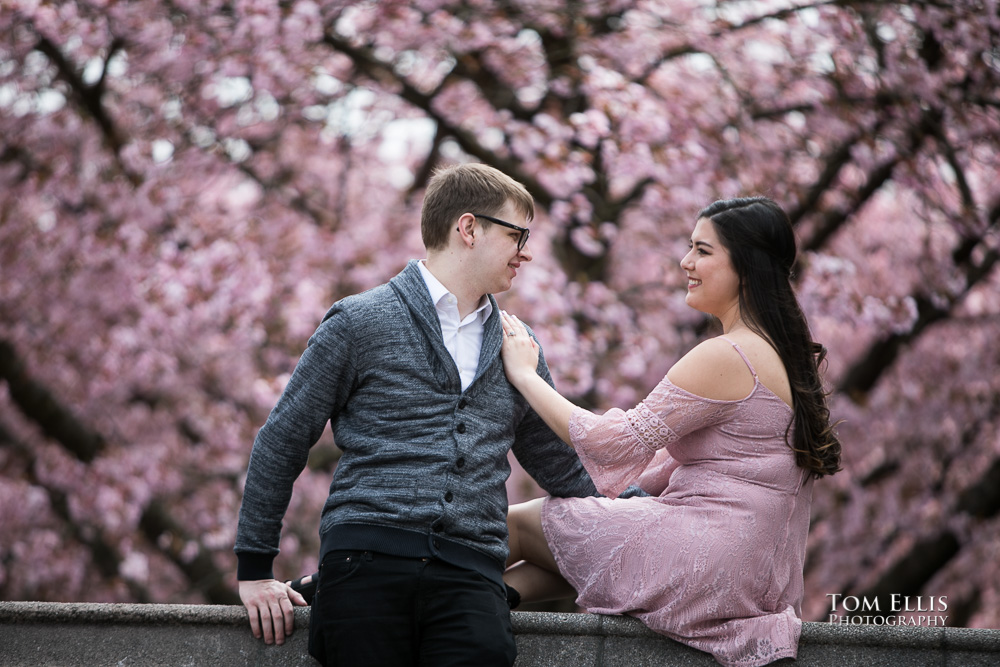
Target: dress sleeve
(618,446)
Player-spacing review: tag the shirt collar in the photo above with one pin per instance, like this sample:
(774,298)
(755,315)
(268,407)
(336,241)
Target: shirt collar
(439,291)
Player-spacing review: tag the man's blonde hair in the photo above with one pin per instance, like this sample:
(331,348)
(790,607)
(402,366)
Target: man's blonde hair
(467,188)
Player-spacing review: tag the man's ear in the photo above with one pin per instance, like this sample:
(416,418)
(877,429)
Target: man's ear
(467,228)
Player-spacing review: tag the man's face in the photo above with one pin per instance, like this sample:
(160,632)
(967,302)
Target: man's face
(497,256)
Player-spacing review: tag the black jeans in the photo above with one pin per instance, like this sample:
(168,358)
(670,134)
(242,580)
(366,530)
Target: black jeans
(375,610)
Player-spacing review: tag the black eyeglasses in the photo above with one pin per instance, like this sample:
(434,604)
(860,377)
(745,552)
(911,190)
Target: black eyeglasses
(496,221)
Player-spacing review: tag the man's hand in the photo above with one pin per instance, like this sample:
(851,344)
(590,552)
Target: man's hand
(269,604)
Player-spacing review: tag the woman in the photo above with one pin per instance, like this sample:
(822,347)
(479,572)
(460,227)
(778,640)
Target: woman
(728,443)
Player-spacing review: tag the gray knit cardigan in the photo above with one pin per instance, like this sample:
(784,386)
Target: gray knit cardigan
(424,463)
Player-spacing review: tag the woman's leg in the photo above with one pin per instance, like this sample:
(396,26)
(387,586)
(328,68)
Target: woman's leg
(527,541)
(535,584)
(532,569)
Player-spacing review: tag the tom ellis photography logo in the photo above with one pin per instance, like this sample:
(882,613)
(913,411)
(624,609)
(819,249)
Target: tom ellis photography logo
(895,609)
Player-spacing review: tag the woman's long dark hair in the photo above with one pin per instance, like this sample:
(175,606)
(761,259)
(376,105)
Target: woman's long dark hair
(761,244)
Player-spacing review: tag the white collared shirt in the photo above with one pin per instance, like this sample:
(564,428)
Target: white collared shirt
(462,337)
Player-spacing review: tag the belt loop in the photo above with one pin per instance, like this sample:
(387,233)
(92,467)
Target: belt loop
(368,556)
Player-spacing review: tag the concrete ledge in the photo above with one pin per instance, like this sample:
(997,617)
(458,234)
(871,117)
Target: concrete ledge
(46,633)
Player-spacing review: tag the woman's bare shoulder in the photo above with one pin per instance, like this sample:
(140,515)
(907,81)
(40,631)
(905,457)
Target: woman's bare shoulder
(766,362)
(715,370)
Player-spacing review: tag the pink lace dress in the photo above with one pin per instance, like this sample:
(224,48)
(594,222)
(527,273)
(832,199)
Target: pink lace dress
(714,560)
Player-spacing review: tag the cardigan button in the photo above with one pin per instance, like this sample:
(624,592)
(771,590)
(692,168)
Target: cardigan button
(460,463)
(448,497)
(462,403)
(460,428)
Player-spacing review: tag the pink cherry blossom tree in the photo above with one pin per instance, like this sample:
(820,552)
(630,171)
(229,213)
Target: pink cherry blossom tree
(186,186)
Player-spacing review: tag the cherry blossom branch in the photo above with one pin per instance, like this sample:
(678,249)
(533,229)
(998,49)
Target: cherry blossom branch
(382,73)
(729,28)
(15,154)
(105,557)
(865,372)
(170,537)
(39,405)
(961,182)
(90,97)
(834,218)
(593,266)
(926,557)
(561,55)
(907,576)
(471,66)
(58,422)
(833,164)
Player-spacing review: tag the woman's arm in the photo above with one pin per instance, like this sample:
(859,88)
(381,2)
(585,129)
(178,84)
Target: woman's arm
(656,477)
(520,361)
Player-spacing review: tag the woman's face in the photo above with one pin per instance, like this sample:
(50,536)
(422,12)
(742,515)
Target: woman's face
(713,286)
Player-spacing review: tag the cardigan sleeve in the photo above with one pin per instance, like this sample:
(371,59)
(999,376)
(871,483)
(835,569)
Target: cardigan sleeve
(549,461)
(319,386)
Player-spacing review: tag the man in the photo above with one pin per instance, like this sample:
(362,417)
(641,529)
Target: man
(413,533)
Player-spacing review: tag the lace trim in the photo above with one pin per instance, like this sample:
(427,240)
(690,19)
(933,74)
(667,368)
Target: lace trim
(651,431)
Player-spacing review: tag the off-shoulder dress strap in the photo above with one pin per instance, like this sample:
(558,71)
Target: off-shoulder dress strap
(742,354)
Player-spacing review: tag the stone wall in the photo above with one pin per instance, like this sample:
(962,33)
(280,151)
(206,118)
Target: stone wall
(127,635)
